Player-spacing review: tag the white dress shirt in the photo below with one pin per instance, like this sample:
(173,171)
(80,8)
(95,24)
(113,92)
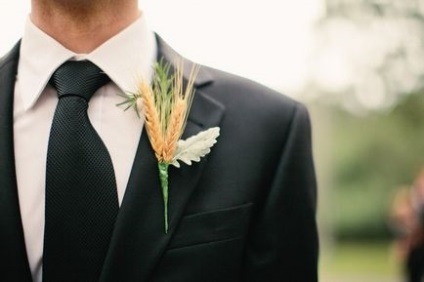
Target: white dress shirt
(126,58)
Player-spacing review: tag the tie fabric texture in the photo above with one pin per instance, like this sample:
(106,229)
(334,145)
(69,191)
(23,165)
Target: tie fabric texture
(81,196)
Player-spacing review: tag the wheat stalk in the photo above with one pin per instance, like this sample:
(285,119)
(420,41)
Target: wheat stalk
(153,125)
(166,108)
(174,130)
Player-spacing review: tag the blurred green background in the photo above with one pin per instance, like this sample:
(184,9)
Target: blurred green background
(361,162)
(372,156)
(366,98)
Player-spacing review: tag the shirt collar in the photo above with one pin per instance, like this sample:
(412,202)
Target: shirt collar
(125,58)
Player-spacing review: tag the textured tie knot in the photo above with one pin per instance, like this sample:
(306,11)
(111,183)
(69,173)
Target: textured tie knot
(81,78)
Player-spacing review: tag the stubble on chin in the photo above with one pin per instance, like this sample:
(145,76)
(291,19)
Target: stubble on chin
(76,7)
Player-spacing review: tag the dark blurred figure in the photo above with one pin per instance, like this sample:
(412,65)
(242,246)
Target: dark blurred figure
(407,216)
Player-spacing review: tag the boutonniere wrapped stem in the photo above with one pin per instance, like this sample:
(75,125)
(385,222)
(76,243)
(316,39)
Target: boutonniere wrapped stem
(166,104)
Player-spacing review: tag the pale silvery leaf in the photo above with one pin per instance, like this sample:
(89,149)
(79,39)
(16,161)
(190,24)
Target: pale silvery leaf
(195,147)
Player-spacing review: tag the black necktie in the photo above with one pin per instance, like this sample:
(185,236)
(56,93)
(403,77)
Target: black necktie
(81,197)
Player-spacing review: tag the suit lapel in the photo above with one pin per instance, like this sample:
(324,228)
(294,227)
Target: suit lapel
(139,240)
(14,264)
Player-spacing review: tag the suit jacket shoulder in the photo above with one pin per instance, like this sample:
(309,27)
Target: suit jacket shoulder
(256,103)
(259,178)
(11,57)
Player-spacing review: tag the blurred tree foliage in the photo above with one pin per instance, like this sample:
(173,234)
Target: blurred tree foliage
(368,67)
(368,53)
(372,156)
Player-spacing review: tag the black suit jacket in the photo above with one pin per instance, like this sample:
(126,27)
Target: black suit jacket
(246,212)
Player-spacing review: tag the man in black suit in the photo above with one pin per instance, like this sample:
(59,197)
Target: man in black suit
(246,212)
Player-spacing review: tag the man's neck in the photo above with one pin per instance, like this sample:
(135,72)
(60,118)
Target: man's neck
(83,25)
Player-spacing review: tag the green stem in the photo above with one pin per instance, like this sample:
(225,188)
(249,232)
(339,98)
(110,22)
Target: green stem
(163,175)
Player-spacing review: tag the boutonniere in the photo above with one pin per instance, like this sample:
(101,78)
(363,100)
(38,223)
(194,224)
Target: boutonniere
(166,104)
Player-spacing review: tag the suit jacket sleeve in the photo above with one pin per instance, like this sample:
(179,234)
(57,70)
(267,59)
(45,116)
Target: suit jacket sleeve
(283,240)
